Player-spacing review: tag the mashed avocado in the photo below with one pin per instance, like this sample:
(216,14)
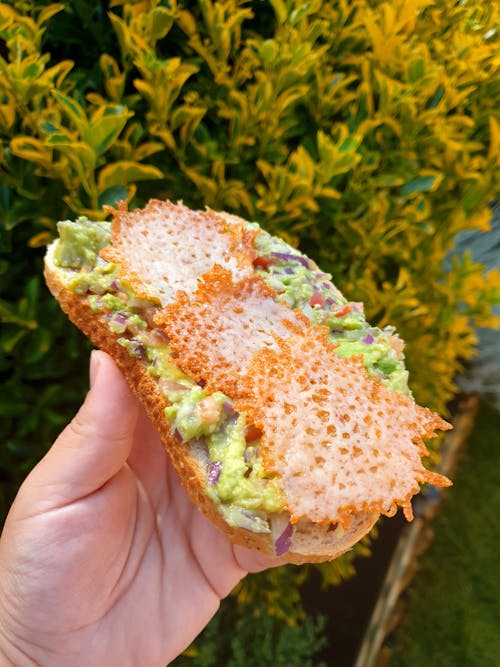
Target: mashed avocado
(243,492)
(300,284)
(80,242)
(236,480)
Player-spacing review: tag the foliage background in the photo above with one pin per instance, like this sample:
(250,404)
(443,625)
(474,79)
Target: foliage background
(367,132)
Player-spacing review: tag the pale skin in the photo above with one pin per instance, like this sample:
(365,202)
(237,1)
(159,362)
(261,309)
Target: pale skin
(103,558)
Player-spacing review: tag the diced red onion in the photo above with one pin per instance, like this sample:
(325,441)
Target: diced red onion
(256,522)
(214,470)
(177,435)
(249,454)
(288,257)
(228,408)
(171,386)
(161,334)
(284,542)
(357,306)
(288,270)
(137,348)
(281,532)
(368,339)
(120,318)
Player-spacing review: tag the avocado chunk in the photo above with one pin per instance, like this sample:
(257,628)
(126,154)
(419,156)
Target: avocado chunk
(80,242)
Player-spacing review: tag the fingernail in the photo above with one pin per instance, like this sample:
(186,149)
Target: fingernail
(95,362)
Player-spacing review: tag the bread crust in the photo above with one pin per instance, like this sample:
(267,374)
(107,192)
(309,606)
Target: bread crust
(191,472)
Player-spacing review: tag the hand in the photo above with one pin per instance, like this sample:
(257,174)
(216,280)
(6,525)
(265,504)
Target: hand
(103,559)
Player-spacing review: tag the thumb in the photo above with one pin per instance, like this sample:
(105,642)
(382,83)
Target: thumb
(97,442)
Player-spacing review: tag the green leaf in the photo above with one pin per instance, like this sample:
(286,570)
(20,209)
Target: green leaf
(81,156)
(59,138)
(280,9)
(105,126)
(388,180)
(472,198)
(32,150)
(13,314)
(73,110)
(49,11)
(436,98)
(160,21)
(124,172)
(7,17)
(112,196)
(268,51)
(416,70)
(32,70)
(420,184)
(11,337)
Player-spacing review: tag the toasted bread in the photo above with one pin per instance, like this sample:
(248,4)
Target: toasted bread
(218,281)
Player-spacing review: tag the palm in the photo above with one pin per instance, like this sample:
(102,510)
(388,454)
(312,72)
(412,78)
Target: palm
(127,574)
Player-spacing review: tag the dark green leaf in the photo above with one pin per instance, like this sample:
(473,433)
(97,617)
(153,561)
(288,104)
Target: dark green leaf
(421,184)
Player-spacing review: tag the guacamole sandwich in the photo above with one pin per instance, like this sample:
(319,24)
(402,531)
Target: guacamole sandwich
(287,416)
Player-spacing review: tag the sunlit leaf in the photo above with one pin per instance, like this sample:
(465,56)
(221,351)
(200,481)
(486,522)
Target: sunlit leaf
(104,128)
(73,110)
(124,172)
(31,149)
(49,11)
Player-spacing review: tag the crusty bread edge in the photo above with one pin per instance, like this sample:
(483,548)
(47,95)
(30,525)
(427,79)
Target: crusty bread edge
(191,473)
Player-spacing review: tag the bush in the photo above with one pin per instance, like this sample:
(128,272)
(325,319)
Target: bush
(241,635)
(368,132)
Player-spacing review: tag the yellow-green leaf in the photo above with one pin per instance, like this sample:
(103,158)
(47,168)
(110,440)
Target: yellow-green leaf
(160,21)
(105,127)
(72,110)
(31,149)
(40,239)
(494,149)
(124,172)
(280,9)
(49,11)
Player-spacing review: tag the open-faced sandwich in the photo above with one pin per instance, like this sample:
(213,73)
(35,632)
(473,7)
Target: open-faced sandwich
(287,416)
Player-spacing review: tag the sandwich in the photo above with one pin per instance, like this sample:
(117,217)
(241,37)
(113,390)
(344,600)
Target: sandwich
(286,415)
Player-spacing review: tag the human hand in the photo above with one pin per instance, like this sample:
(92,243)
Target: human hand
(103,559)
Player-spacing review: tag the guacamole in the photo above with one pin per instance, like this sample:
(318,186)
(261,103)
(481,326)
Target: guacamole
(299,283)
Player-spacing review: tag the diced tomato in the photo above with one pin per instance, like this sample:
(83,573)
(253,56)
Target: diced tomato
(252,433)
(317,299)
(343,311)
(262,262)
